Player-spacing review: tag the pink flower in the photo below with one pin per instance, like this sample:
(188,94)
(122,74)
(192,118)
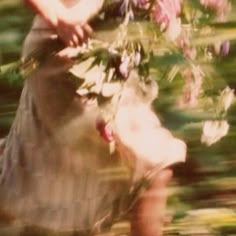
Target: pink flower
(193,85)
(165,11)
(214,4)
(105,130)
(225,48)
(137,58)
(141,3)
(222,48)
(220,6)
(124,67)
(213,131)
(188,51)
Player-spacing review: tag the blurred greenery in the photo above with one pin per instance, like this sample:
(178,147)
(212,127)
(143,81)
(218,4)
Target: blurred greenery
(203,193)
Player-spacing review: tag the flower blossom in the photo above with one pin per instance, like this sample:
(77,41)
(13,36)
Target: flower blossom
(225,48)
(220,6)
(105,130)
(166,13)
(124,67)
(141,3)
(143,141)
(213,131)
(189,52)
(214,4)
(226,98)
(193,85)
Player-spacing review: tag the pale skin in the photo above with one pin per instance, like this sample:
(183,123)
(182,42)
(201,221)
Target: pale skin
(70,23)
(72,26)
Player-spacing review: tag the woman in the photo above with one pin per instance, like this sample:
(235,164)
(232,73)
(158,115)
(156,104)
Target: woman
(55,166)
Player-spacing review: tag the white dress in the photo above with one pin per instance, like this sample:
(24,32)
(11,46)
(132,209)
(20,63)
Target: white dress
(56,171)
(55,166)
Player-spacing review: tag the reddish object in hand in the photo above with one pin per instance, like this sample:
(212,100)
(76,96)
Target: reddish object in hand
(105,130)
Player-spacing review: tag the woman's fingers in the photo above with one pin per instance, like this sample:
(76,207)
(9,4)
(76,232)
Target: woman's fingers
(79,31)
(75,40)
(74,35)
(82,32)
(88,29)
(70,38)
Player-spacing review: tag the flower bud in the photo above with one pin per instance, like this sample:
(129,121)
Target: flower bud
(137,58)
(124,67)
(225,48)
(105,130)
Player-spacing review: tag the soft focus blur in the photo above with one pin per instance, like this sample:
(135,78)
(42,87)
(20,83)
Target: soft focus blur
(203,191)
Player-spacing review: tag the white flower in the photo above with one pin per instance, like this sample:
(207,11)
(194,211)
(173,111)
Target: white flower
(137,58)
(141,135)
(226,98)
(174,29)
(124,67)
(213,131)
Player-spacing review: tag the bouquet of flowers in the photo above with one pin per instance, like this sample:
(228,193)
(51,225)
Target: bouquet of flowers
(135,42)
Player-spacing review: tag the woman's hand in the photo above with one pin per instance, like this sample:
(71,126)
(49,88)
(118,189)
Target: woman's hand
(70,23)
(72,33)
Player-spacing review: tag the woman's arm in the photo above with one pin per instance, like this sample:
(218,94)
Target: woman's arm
(71,24)
(74,21)
(148,213)
(90,10)
(50,10)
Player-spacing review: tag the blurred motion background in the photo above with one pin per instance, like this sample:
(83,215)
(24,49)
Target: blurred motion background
(203,191)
